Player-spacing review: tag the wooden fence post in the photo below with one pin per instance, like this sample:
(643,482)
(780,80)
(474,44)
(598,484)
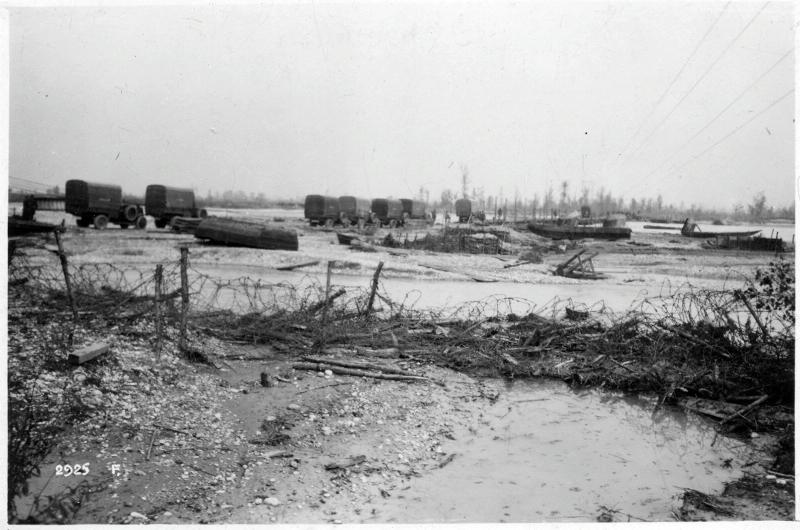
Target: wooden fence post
(158,278)
(64,267)
(184,294)
(374,287)
(325,307)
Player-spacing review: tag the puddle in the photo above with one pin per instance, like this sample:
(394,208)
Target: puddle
(546,453)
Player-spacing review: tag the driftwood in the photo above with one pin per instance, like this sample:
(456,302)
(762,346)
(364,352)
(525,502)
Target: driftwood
(350,462)
(695,340)
(318,367)
(741,412)
(358,365)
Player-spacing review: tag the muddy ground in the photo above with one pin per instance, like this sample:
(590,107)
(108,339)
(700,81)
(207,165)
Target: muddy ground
(174,441)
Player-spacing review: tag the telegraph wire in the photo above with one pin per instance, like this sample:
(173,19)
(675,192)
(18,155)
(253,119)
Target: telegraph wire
(703,76)
(734,131)
(674,79)
(720,113)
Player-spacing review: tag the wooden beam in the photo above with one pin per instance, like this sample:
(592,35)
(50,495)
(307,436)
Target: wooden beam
(88,353)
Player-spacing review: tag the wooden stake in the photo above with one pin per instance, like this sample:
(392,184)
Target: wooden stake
(374,288)
(158,279)
(64,267)
(755,315)
(184,294)
(325,308)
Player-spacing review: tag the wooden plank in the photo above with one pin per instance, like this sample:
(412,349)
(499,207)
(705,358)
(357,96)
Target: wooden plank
(88,353)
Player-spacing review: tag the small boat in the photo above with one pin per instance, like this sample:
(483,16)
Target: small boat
(240,233)
(579,232)
(661,227)
(346,239)
(23,227)
(690,229)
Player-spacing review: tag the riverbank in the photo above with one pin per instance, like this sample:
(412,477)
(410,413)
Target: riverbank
(219,442)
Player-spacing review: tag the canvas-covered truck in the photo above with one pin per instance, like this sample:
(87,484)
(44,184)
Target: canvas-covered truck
(100,204)
(165,203)
(354,210)
(414,209)
(321,210)
(463,210)
(387,212)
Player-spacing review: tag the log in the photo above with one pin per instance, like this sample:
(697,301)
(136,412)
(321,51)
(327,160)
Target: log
(88,353)
(317,367)
(299,265)
(454,271)
(358,365)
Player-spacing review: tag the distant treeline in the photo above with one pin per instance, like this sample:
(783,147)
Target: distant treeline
(551,204)
(603,203)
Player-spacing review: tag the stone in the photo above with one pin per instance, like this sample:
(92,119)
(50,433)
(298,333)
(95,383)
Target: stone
(272,501)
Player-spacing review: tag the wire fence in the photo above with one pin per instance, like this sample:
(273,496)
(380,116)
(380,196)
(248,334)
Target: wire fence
(253,308)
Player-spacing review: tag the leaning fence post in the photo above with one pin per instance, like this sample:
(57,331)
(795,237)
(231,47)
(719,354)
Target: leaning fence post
(158,279)
(325,307)
(374,287)
(184,294)
(63,257)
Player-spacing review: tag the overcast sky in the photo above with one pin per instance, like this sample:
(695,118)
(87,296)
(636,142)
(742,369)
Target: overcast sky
(693,101)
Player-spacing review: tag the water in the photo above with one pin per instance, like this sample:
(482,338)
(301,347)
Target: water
(492,298)
(547,453)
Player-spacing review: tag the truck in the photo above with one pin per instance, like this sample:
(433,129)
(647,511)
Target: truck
(414,209)
(165,203)
(354,210)
(320,209)
(387,212)
(100,204)
(463,210)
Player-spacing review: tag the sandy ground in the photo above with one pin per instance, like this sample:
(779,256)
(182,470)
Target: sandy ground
(655,262)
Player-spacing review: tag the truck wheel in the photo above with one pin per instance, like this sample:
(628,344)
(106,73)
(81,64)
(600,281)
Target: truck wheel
(101,222)
(83,223)
(203,213)
(141,222)
(160,223)
(130,212)
(123,226)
